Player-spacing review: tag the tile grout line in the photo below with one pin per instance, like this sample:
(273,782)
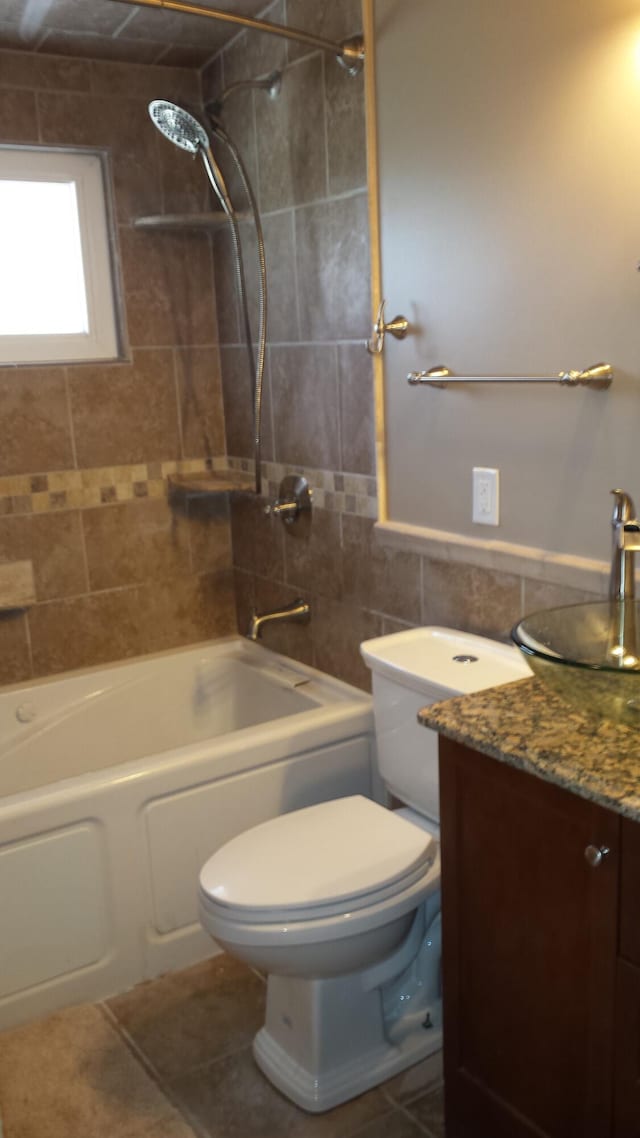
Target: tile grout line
(147,1066)
(424,1129)
(132,1046)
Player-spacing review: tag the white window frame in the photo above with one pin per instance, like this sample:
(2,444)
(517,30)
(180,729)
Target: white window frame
(86,171)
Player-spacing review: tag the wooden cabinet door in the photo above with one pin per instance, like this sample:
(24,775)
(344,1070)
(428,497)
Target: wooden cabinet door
(627,1053)
(627,1035)
(529,932)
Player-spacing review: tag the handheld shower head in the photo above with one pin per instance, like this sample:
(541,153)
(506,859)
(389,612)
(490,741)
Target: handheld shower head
(178,126)
(183,130)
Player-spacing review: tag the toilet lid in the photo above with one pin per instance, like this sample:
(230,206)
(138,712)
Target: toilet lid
(336,852)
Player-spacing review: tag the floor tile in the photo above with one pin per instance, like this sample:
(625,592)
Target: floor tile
(416,1080)
(232,1099)
(397,1124)
(189,1018)
(71,1074)
(429,1112)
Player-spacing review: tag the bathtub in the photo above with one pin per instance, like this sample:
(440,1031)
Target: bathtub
(116,785)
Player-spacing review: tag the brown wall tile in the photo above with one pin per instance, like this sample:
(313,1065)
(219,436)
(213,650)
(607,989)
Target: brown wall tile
(291,155)
(121,623)
(239,405)
(357,426)
(18,116)
(244,593)
(468,597)
(85,631)
(338,631)
(188,610)
(86,44)
(542,595)
(225,288)
(212,77)
(15,663)
(282,317)
(125,413)
(258,540)
(34,420)
(201,405)
(305,405)
(323,18)
(313,556)
(168,287)
(23,69)
(251,54)
(239,123)
(332,254)
(377,577)
(135,542)
(53,542)
(346,132)
(143,83)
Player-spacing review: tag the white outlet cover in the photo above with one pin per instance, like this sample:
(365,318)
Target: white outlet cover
(486,496)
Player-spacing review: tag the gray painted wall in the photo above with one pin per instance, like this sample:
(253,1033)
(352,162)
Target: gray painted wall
(509,138)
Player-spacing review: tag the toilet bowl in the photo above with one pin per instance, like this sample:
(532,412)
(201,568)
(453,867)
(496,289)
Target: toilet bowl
(339,903)
(344,901)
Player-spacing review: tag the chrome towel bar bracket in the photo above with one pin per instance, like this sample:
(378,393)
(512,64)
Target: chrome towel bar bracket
(599,376)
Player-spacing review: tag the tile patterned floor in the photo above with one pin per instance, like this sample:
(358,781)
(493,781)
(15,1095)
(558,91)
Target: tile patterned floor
(172,1059)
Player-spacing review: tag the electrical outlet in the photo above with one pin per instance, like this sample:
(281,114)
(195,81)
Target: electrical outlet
(486,496)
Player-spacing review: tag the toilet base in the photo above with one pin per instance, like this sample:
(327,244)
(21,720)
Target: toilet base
(324,1041)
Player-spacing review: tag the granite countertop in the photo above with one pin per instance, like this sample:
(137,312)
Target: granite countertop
(525,725)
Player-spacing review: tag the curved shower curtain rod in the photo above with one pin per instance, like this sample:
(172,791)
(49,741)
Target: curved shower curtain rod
(350,53)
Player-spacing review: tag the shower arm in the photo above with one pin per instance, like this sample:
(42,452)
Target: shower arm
(350,53)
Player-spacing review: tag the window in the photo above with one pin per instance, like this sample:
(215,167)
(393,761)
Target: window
(56,288)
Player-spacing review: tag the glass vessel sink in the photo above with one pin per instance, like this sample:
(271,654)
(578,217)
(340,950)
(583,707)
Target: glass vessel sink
(589,654)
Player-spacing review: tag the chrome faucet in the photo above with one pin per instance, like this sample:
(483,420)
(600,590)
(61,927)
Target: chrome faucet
(298,611)
(626,542)
(623,648)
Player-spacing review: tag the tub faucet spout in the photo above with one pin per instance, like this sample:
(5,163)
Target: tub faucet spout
(298,611)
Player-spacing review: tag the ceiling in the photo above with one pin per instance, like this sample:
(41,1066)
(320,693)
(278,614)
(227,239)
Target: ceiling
(109,29)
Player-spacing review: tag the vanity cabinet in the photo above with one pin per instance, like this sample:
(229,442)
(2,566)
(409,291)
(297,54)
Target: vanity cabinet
(541,963)
(627,1024)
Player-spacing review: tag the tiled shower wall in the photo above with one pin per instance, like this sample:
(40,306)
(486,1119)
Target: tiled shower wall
(306,155)
(85,448)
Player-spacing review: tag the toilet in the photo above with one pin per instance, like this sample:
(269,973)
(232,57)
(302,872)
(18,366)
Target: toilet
(340,903)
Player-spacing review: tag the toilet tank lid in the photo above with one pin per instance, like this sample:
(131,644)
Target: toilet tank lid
(422,658)
(333,852)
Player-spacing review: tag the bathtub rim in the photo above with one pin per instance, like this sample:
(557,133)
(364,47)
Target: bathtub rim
(353,709)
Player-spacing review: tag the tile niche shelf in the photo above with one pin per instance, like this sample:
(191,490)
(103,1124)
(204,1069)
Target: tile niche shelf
(209,482)
(172,221)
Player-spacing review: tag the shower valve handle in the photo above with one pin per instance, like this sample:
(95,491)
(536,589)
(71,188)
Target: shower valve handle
(287,510)
(293,501)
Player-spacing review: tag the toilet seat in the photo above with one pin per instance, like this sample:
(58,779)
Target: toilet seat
(322,872)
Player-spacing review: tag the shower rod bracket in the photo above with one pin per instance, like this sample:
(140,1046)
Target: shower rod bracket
(398,328)
(350,53)
(599,376)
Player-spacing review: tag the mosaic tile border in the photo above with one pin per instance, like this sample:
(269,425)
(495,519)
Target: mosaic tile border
(104,486)
(340,493)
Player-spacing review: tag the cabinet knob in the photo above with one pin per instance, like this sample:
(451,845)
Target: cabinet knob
(595,855)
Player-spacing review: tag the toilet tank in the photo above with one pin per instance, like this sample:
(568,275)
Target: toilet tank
(418,667)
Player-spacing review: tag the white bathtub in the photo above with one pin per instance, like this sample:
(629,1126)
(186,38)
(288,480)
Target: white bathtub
(117,784)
